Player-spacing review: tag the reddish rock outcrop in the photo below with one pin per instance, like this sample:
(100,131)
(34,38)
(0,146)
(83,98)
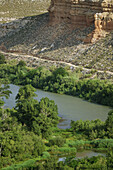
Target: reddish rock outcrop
(83,13)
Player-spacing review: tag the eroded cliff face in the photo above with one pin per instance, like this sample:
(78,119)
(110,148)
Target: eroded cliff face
(83,13)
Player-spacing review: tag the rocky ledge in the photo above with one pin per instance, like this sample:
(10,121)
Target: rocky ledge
(84,13)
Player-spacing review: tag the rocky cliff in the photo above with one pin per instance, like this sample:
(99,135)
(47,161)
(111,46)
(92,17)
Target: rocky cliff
(83,13)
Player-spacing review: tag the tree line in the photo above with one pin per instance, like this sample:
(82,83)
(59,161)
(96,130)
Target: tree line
(23,128)
(59,80)
(29,133)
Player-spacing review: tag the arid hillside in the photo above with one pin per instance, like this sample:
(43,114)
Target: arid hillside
(14,9)
(35,36)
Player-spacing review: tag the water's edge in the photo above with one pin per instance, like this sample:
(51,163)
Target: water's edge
(69,107)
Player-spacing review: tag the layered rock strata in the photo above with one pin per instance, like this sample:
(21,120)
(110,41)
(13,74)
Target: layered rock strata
(83,13)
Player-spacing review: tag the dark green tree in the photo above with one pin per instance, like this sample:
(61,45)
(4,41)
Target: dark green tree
(49,109)
(2,59)
(60,71)
(27,108)
(109,124)
(26,92)
(39,117)
(21,63)
(109,157)
(4,92)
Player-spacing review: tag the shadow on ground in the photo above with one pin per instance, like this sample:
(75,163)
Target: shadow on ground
(38,36)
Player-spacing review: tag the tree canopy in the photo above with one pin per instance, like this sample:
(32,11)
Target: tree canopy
(39,117)
(2,59)
(4,92)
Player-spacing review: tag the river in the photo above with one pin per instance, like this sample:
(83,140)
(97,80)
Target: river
(83,154)
(69,107)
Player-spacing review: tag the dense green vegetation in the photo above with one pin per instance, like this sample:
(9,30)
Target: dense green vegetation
(38,116)
(2,59)
(22,128)
(4,92)
(29,137)
(59,80)
(26,134)
(92,129)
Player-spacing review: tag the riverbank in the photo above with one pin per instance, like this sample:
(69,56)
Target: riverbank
(87,136)
(35,62)
(59,80)
(69,108)
(29,136)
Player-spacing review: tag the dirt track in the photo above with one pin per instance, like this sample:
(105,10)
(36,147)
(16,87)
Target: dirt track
(40,61)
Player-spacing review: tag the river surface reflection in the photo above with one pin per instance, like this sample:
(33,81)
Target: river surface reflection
(69,107)
(83,154)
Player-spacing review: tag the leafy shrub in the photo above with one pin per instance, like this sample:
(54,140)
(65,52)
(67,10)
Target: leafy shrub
(21,63)
(2,59)
(67,150)
(45,155)
(59,141)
